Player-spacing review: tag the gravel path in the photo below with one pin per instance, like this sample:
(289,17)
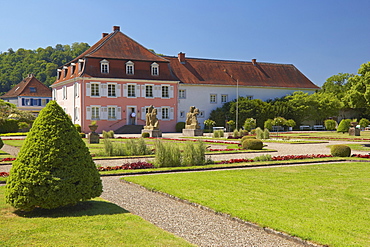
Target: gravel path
(197,226)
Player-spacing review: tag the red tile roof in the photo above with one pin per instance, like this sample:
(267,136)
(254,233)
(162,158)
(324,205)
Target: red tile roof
(23,89)
(117,45)
(225,72)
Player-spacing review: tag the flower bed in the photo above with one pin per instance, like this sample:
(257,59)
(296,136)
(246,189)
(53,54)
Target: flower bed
(7,159)
(278,158)
(128,166)
(4,174)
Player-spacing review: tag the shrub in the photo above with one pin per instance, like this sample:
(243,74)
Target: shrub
(344,125)
(236,133)
(263,157)
(243,132)
(246,138)
(145,135)
(364,122)
(78,128)
(1,143)
(8,125)
(330,124)
(137,147)
(340,150)
(290,123)
(167,155)
(54,167)
(259,133)
(180,126)
(253,144)
(266,134)
(109,134)
(218,133)
(23,125)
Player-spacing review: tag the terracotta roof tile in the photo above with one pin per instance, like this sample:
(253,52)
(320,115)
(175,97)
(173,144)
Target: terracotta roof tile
(225,72)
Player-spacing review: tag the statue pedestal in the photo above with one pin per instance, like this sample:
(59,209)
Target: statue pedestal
(354,131)
(93,137)
(192,132)
(152,133)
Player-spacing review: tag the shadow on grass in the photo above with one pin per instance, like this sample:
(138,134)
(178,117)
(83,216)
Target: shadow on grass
(87,208)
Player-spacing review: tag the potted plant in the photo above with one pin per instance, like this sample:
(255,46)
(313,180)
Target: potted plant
(93,126)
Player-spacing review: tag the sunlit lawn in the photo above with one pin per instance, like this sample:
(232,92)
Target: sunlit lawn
(92,223)
(328,204)
(322,134)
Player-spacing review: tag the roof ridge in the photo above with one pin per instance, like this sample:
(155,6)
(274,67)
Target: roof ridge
(108,37)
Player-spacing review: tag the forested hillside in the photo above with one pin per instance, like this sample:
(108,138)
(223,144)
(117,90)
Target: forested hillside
(43,63)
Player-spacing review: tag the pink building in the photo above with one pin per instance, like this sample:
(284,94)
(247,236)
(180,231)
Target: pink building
(114,82)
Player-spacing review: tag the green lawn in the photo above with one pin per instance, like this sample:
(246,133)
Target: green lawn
(328,204)
(321,134)
(92,223)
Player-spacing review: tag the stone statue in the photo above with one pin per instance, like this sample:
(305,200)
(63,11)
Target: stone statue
(151,122)
(191,118)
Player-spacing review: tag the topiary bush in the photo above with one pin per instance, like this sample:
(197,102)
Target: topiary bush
(330,124)
(266,134)
(340,150)
(54,167)
(344,125)
(180,126)
(253,144)
(145,135)
(259,133)
(1,143)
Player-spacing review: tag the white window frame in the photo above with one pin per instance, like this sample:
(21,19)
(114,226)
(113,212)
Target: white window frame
(95,115)
(154,69)
(146,91)
(64,89)
(92,85)
(182,114)
(115,90)
(168,91)
(104,66)
(224,98)
(213,98)
(165,113)
(112,109)
(130,68)
(80,64)
(182,93)
(133,87)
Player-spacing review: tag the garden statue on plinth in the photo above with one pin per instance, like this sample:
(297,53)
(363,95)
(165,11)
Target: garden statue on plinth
(192,127)
(93,137)
(152,123)
(353,131)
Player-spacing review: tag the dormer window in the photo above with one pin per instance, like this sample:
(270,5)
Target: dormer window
(129,68)
(32,89)
(104,65)
(65,69)
(155,69)
(73,67)
(80,64)
(59,73)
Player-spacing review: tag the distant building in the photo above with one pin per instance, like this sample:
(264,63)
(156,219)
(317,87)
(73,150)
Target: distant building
(29,95)
(117,79)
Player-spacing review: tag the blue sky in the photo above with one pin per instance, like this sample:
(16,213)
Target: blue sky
(320,37)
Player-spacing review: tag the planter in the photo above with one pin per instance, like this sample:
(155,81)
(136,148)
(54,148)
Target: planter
(93,128)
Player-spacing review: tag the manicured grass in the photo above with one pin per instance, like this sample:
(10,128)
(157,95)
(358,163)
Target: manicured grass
(322,135)
(328,204)
(92,223)
(14,143)
(358,147)
(4,155)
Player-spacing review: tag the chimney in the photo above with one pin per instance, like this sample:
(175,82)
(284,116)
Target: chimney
(181,57)
(254,61)
(116,28)
(105,34)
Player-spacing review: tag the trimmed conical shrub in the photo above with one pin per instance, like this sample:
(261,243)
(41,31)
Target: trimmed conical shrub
(54,167)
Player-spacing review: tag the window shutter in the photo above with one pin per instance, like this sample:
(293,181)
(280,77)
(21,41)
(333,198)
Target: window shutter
(104,89)
(138,91)
(118,90)
(88,113)
(88,89)
(103,113)
(171,92)
(119,113)
(159,113)
(143,113)
(171,113)
(143,91)
(125,90)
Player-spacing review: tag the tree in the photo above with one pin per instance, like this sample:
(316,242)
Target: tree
(54,167)
(337,86)
(209,123)
(249,124)
(358,95)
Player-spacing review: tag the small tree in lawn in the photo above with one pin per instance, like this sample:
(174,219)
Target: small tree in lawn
(330,124)
(364,123)
(249,124)
(54,167)
(209,123)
